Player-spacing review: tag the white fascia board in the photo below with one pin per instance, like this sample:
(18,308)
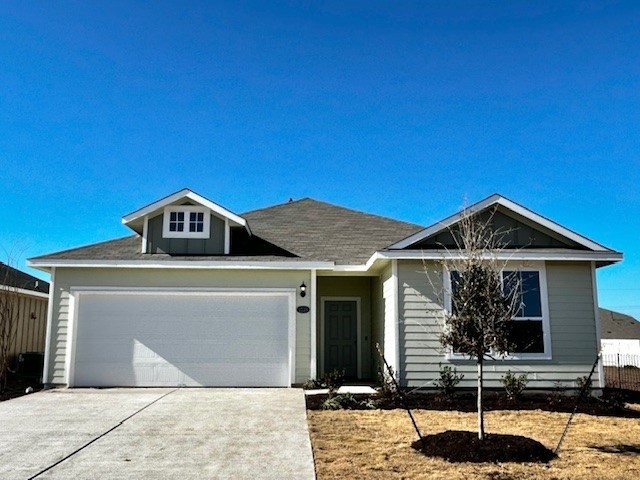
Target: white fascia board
(24,291)
(226,265)
(607,256)
(509,205)
(186,193)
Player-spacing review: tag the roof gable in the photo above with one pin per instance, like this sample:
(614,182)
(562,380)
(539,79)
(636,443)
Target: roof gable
(135,220)
(522,228)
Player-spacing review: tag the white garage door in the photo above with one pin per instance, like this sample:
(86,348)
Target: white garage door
(188,338)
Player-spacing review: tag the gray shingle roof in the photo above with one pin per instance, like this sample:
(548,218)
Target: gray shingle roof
(322,231)
(12,277)
(307,228)
(616,325)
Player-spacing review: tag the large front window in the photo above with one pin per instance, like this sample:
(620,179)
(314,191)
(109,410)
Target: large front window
(529,330)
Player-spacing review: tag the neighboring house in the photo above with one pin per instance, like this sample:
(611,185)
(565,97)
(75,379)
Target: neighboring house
(29,296)
(620,338)
(202,296)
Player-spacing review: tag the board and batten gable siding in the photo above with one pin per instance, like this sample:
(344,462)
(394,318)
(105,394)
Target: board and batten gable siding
(572,320)
(213,245)
(67,278)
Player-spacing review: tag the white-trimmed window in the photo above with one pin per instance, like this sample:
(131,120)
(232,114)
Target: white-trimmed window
(530,328)
(186,221)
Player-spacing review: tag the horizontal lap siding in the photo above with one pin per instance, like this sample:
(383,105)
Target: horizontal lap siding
(67,278)
(572,329)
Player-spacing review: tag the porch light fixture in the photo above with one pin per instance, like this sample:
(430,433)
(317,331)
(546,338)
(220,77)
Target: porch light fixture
(303,290)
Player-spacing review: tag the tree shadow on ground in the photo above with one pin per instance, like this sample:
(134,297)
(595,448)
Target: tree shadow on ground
(463,446)
(620,448)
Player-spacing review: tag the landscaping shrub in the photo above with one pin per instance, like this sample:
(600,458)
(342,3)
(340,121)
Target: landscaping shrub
(448,380)
(332,380)
(557,395)
(514,385)
(346,401)
(388,391)
(614,400)
(583,383)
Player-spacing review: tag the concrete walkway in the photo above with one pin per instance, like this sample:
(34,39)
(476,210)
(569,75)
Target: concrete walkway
(164,434)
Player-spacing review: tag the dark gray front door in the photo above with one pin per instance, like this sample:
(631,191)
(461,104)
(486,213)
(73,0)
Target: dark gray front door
(341,337)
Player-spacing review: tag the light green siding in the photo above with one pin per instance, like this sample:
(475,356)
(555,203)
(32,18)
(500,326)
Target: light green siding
(572,319)
(66,278)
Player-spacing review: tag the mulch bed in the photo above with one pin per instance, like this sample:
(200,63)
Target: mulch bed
(17,387)
(464,446)
(466,402)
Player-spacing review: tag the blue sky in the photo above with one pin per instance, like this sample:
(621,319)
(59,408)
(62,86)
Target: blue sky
(402,109)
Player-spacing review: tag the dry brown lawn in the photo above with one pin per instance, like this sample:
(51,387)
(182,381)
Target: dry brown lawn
(376,444)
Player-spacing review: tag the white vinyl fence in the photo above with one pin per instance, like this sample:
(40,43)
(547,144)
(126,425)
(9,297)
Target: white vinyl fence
(622,370)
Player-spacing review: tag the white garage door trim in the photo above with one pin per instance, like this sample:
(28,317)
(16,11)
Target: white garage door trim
(76,293)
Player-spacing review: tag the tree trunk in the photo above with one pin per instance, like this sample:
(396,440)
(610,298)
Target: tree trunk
(480,412)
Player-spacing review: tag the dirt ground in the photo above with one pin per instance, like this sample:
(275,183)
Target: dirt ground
(376,444)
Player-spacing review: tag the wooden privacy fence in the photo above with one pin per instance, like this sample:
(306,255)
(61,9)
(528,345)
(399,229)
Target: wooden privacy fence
(31,326)
(622,370)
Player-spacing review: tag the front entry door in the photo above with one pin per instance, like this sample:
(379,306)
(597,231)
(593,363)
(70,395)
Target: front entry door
(341,337)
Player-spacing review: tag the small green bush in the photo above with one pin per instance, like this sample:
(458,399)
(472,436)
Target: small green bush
(583,383)
(342,401)
(514,385)
(614,400)
(448,380)
(347,401)
(387,390)
(313,384)
(332,380)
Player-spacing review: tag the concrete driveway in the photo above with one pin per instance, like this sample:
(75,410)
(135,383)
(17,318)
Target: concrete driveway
(156,434)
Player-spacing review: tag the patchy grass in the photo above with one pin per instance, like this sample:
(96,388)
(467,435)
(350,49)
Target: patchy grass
(376,444)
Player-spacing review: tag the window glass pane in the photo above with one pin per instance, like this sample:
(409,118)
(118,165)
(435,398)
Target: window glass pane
(199,227)
(181,216)
(455,281)
(172,216)
(528,292)
(526,336)
(193,216)
(172,227)
(200,217)
(180,227)
(531,294)
(193,227)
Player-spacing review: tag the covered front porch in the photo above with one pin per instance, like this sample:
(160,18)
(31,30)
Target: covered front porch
(349,323)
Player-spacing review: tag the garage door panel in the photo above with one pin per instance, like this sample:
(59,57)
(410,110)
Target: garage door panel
(170,339)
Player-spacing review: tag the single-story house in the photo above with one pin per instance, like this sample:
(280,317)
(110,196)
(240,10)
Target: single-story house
(201,296)
(620,340)
(27,297)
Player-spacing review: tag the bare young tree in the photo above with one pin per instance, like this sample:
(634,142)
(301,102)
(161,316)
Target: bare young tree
(9,305)
(482,304)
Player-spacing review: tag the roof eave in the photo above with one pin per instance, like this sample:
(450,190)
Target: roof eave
(490,201)
(185,193)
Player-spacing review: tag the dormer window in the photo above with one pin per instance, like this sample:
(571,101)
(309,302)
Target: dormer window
(186,221)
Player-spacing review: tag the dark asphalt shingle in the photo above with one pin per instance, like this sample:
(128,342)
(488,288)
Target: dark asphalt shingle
(307,229)
(616,325)
(12,277)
